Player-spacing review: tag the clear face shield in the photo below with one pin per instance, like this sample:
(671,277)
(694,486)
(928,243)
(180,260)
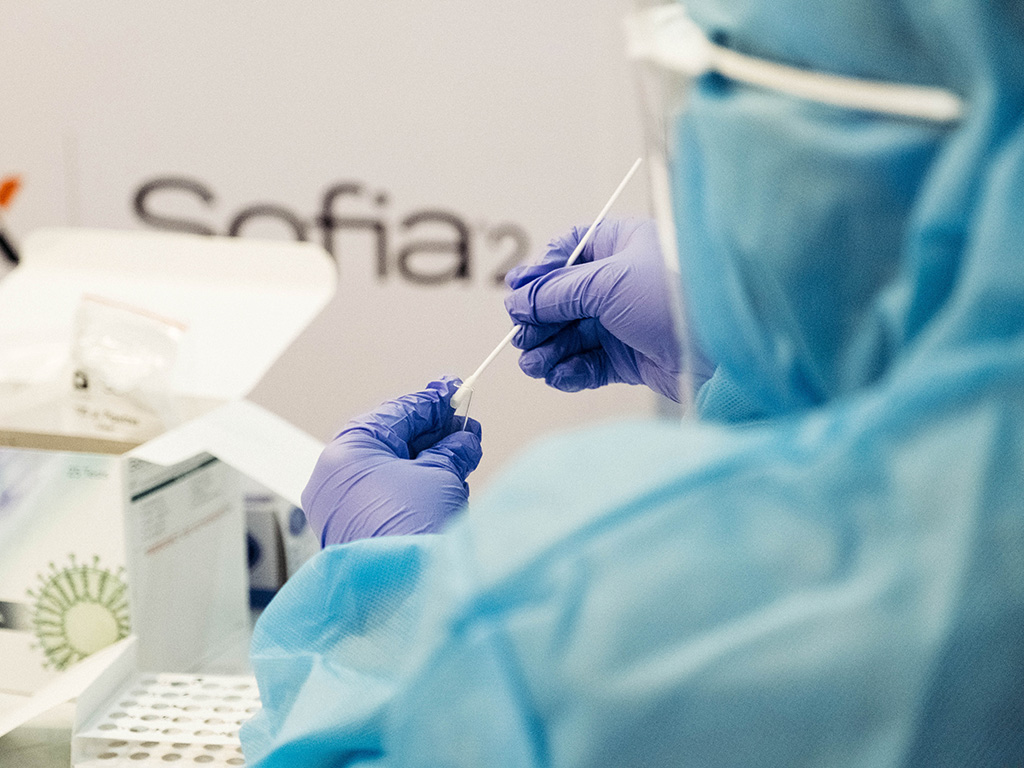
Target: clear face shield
(671,53)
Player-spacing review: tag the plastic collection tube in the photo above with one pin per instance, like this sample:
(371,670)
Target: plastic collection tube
(464,393)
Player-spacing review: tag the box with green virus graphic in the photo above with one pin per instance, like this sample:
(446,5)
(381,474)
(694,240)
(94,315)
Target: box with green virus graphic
(100,535)
(69,535)
(55,605)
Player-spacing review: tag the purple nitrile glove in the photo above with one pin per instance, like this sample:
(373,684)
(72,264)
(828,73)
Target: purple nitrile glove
(399,469)
(607,318)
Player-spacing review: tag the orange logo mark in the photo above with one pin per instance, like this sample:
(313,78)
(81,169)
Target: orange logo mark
(9,187)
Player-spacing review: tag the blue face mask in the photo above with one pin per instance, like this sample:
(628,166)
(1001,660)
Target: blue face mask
(708,105)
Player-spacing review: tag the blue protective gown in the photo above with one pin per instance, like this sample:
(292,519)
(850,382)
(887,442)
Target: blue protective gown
(830,571)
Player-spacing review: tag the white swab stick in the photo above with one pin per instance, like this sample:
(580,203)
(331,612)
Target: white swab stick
(467,385)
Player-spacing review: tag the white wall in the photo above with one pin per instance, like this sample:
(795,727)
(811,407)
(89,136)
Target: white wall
(510,117)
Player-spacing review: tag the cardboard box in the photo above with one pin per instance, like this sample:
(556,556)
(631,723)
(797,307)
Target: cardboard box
(101,537)
(278,540)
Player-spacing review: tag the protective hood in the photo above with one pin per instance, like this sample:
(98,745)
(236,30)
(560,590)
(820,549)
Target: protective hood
(825,249)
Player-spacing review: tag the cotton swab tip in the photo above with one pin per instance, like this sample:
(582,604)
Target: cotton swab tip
(462,395)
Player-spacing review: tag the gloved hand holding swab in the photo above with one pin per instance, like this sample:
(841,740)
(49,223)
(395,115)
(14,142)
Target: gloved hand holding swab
(464,393)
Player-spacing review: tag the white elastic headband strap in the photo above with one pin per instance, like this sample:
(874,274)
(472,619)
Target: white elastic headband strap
(666,36)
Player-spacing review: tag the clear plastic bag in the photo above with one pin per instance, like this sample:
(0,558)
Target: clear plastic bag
(122,361)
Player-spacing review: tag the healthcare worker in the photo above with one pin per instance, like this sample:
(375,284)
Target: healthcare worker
(826,570)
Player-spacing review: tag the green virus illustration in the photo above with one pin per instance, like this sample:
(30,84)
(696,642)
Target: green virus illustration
(79,609)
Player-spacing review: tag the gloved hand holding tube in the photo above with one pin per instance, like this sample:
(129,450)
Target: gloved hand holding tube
(604,320)
(400,469)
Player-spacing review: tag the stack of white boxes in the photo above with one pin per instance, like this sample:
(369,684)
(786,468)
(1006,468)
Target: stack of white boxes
(99,538)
